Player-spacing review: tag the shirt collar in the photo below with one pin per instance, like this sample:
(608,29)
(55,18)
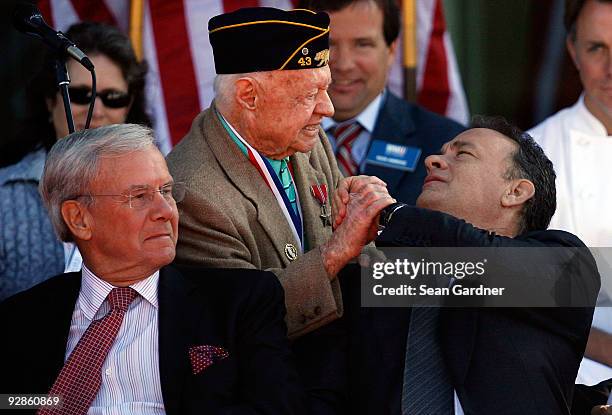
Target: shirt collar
(94,291)
(587,121)
(29,168)
(367,117)
(234,134)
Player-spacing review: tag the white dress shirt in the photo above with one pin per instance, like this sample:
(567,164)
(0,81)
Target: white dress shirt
(130,374)
(581,149)
(367,119)
(72,257)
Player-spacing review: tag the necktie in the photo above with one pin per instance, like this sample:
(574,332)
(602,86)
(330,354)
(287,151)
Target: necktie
(345,136)
(427,387)
(285,177)
(80,378)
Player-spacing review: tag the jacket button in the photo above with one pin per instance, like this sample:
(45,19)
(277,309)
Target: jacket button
(317,310)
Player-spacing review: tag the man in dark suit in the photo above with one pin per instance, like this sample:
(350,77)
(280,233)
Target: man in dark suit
(130,333)
(491,186)
(393,136)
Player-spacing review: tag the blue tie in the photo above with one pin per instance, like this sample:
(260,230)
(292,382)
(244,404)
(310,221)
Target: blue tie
(427,385)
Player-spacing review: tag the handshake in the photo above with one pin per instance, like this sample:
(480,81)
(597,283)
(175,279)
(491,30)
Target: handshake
(356,206)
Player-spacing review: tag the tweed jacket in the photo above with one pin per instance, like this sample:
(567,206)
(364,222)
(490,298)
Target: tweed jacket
(230,218)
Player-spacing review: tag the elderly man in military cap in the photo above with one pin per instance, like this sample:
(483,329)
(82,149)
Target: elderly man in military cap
(259,169)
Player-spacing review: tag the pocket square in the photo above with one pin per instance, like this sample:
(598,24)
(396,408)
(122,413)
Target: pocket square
(205,355)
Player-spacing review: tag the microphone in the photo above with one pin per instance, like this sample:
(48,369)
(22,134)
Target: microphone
(27,19)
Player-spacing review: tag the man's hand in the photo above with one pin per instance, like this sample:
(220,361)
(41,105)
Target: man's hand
(353,184)
(602,410)
(359,202)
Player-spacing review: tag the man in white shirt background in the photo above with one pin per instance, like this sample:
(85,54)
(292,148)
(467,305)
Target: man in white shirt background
(578,140)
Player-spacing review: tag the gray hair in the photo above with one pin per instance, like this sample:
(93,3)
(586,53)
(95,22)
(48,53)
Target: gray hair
(224,85)
(73,163)
(224,88)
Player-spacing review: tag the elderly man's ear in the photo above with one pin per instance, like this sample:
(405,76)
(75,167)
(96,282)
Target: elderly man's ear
(246,95)
(518,192)
(77,218)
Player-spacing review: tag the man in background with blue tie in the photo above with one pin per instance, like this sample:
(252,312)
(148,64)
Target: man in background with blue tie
(373,131)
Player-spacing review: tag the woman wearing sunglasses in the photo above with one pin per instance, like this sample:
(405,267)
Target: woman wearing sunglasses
(29,250)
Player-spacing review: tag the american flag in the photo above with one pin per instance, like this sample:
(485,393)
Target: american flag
(174,41)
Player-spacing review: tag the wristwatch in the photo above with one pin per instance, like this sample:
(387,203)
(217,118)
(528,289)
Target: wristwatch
(387,213)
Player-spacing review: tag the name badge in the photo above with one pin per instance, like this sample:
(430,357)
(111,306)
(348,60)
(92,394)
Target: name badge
(392,155)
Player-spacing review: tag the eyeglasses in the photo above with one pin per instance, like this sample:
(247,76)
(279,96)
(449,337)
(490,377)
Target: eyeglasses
(142,196)
(110,97)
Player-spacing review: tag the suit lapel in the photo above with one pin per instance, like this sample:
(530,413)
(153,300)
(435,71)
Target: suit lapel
(458,328)
(178,320)
(248,181)
(393,125)
(57,319)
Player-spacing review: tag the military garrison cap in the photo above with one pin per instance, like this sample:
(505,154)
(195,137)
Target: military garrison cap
(268,39)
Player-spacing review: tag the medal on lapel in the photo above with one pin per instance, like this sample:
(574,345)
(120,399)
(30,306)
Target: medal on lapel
(290,252)
(319,191)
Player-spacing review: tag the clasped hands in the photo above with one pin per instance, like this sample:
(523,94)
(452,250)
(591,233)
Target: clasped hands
(356,205)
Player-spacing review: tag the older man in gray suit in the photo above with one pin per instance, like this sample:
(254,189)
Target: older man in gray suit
(259,168)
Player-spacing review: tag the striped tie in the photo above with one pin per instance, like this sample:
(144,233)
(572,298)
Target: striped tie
(345,136)
(79,380)
(427,386)
(287,182)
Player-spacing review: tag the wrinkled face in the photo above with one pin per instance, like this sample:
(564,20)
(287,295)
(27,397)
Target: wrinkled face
(359,58)
(108,78)
(592,55)
(467,179)
(133,239)
(289,108)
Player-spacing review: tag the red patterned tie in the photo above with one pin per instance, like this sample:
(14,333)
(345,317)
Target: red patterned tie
(80,378)
(345,136)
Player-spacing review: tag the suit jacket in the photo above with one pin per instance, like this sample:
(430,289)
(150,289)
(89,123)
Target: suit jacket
(506,361)
(230,218)
(241,311)
(401,122)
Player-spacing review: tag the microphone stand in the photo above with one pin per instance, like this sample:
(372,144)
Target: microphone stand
(63,80)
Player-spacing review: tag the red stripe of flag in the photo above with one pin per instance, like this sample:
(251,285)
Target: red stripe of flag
(45,9)
(231,5)
(435,91)
(175,66)
(94,10)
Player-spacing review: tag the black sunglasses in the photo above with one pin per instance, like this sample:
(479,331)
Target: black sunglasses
(110,97)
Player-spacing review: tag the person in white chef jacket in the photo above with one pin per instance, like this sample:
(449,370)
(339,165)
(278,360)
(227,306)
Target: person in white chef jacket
(579,142)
